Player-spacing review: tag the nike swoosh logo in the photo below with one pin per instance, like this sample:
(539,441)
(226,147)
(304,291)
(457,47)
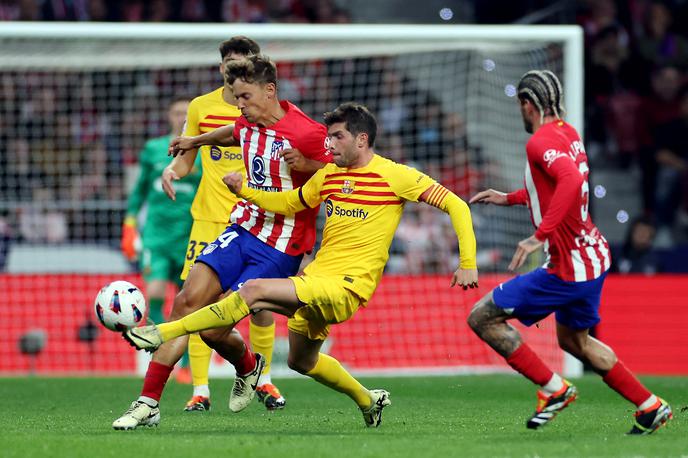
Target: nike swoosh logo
(259,369)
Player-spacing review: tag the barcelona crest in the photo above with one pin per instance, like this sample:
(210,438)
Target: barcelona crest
(348,187)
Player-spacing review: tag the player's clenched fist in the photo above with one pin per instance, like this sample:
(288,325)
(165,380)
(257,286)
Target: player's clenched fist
(466,278)
(180,145)
(294,158)
(233,181)
(490,197)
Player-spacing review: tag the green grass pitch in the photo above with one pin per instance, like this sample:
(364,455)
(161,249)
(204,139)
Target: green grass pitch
(430,416)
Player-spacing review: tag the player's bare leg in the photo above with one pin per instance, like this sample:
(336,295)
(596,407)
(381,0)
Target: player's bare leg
(489,322)
(201,288)
(652,413)
(305,358)
(249,365)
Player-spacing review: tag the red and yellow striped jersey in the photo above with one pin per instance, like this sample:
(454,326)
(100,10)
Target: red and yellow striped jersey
(213,201)
(363,207)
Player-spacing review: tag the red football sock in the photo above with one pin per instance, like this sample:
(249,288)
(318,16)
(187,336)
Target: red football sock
(246,363)
(525,361)
(621,380)
(156,377)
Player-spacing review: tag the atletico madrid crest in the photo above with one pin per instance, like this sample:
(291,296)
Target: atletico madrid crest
(348,187)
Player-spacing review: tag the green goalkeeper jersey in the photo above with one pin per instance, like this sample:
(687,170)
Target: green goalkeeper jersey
(168,222)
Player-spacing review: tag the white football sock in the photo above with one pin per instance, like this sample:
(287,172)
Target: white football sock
(649,402)
(201,390)
(555,384)
(149,401)
(264,378)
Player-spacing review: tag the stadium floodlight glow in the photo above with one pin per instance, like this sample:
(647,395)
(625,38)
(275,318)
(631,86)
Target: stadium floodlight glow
(446,14)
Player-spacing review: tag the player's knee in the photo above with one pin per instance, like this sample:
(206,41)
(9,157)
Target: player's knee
(571,346)
(183,304)
(476,319)
(251,291)
(211,336)
(473,321)
(227,336)
(300,365)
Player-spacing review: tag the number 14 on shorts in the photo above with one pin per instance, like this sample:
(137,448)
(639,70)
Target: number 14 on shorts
(224,239)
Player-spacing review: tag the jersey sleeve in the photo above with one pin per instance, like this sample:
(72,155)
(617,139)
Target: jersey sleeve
(313,143)
(561,167)
(408,183)
(191,128)
(287,202)
(519,197)
(310,191)
(143,183)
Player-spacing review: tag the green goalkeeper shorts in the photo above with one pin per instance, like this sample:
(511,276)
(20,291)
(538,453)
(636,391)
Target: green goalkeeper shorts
(159,264)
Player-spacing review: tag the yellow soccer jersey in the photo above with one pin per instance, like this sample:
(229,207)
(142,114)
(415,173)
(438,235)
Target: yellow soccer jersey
(363,207)
(213,201)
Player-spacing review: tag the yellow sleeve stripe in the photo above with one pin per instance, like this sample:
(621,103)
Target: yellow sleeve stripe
(437,195)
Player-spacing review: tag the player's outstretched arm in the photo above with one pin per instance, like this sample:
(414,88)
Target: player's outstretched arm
(223,136)
(179,168)
(489,196)
(492,196)
(438,196)
(285,203)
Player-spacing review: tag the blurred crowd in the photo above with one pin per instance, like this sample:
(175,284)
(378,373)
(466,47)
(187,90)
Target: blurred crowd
(255,11)
(637,102)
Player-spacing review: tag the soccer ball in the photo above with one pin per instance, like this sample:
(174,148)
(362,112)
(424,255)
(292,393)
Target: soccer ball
(120,306)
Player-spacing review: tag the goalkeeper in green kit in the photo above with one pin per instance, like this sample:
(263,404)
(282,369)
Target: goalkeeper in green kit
(167,225)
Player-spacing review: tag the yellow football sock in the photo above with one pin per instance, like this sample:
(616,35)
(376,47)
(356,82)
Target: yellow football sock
(226,312)
(330,372)
(199,359)
(262,341)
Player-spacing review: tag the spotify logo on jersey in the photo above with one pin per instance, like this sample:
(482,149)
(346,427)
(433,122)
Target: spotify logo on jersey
(215,153)
(328,207)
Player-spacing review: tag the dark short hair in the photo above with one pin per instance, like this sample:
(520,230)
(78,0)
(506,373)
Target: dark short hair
(239,45)
(357,118)
(254,69)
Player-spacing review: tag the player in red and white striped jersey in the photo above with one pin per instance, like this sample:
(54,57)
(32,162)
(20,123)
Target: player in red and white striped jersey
(570,284)
(281,149)
(265,169)
(556,160)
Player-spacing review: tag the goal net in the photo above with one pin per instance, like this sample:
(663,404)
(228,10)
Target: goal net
(80,100)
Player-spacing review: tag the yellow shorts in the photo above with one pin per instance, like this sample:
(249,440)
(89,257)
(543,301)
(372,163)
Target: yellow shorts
(202,233)
(327,302)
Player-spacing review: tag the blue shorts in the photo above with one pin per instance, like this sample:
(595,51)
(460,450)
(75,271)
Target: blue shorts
(237,256)
(535,295)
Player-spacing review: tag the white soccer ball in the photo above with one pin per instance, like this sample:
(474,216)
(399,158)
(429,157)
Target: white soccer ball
(120,306)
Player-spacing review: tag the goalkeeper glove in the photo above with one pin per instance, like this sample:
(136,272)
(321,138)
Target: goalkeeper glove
(129,236)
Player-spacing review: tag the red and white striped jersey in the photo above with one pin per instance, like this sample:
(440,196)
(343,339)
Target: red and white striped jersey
(556,192)
(266,170)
